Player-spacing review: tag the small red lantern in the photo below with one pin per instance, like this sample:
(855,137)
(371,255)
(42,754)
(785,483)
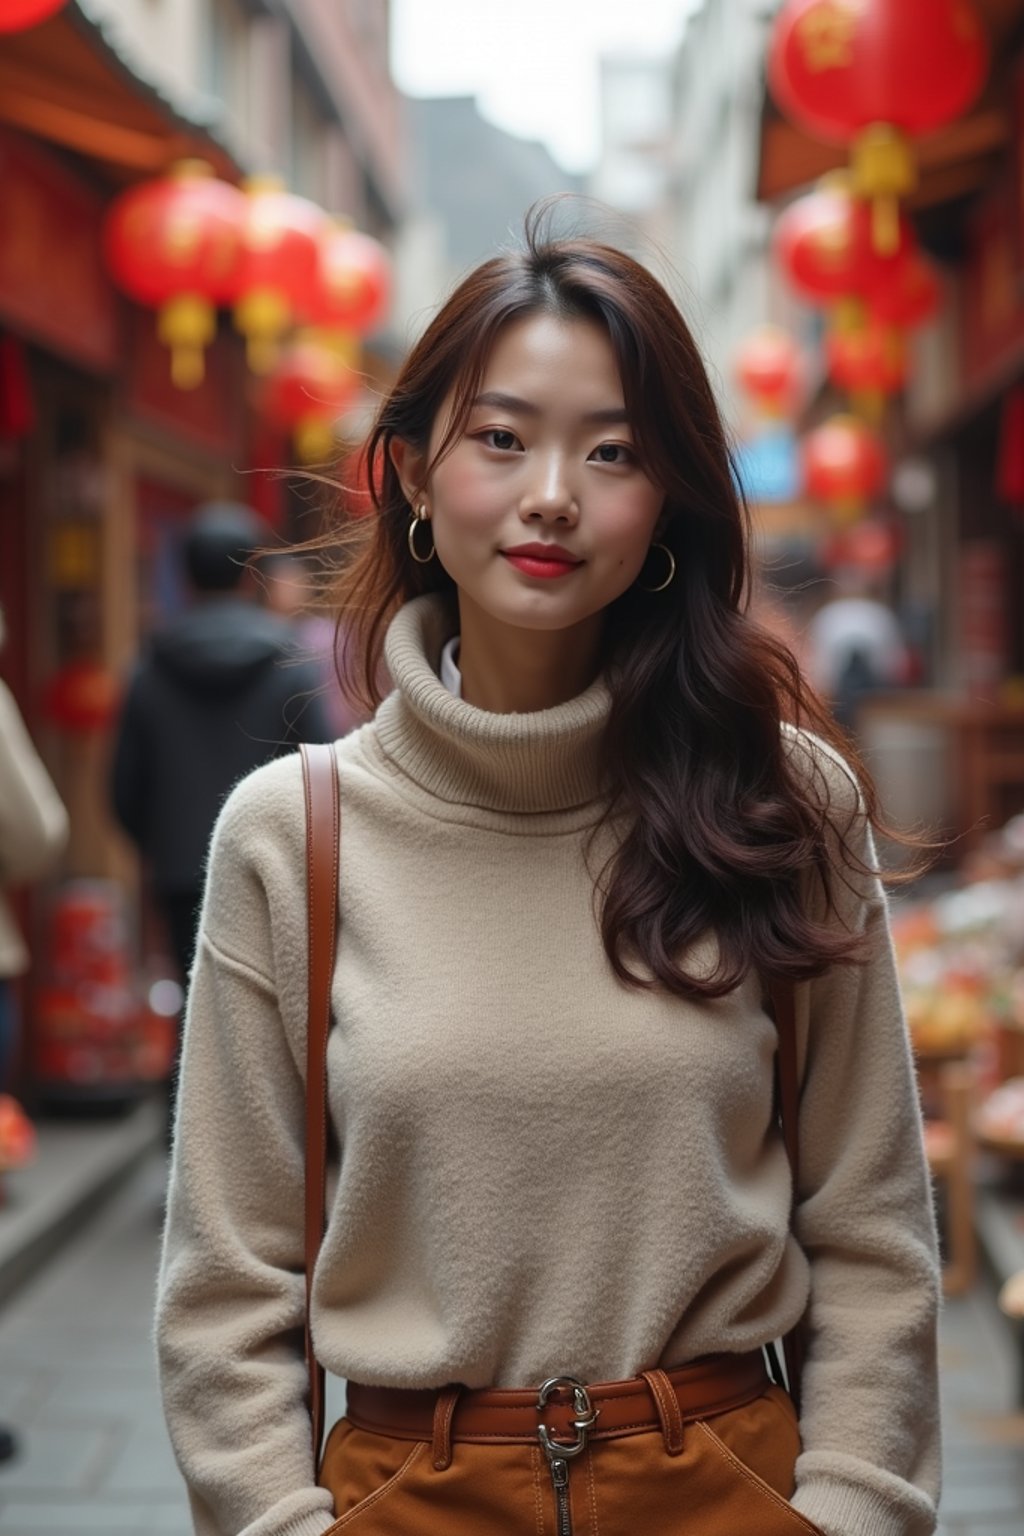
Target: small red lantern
(871,73)
(354,287)
(911,296)
(823,244)
(18,15)
(173,243)
(844,465)
(769,368)
(276,280)
(308,390)
(869,363)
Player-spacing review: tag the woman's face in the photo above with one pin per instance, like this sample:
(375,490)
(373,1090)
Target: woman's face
(541,512)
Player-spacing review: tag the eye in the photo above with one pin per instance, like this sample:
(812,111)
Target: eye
(500,438)
(614,453)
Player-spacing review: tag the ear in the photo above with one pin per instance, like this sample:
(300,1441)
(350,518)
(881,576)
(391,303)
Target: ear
(410,467)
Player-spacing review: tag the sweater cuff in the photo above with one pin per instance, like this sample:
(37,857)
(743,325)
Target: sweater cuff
(315,1523)
(844,1509)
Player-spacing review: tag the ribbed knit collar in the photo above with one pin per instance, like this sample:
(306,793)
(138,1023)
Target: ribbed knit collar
(545,761)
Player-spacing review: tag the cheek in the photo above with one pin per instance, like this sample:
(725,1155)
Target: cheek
(628,525)
(464,492)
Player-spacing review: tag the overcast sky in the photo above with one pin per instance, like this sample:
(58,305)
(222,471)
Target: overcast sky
(532,64)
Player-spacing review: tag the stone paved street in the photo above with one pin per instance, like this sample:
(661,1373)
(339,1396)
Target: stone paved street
(76,1377)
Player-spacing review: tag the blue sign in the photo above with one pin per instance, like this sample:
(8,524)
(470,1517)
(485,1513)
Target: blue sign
(767,467)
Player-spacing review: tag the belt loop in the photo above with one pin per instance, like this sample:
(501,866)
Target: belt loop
(444,1411)
(667,1405)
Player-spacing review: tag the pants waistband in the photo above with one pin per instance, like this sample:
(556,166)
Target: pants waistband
(657,1399)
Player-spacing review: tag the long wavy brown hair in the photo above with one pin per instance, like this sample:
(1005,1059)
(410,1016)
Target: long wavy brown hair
(725,830)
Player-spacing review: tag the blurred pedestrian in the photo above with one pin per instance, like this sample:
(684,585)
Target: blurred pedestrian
(217,692)
(33,832)
(854,646)
(591,879)
(288,591)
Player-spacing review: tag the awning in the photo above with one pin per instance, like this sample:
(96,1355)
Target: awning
(951,163)
(65,82)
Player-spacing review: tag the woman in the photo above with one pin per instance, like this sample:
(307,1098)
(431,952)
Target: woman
(577,838)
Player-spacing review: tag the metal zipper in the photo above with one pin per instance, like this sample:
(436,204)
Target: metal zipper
(563,1509)
(559,1454)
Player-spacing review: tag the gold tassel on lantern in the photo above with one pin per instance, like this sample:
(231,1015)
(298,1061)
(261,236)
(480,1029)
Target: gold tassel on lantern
(883,172)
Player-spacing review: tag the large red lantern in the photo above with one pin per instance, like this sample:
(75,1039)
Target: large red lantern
(17,15)
(277,278)
(823,243)
(354,287)
(872,74)
(844,465)
(869,363)
(769,368)
(911,296)
(173,243)
(309,388)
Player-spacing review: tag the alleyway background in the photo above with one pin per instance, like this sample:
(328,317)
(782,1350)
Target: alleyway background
(77,1378)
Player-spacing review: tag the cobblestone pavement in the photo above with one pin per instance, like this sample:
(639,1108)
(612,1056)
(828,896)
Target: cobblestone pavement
(76,1378)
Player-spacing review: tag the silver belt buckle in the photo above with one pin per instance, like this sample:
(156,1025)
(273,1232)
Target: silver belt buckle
(585,1416)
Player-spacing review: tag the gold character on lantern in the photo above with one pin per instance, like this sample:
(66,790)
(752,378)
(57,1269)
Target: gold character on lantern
(825,35)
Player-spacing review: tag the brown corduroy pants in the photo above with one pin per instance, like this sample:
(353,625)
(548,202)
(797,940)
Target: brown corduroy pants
(732,1476)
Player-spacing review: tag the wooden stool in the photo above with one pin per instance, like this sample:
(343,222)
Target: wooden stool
(949,1146)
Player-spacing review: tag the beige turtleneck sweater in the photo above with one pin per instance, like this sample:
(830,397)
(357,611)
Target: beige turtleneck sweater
(542,1171)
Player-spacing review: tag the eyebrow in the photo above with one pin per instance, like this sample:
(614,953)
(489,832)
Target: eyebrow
(502,402)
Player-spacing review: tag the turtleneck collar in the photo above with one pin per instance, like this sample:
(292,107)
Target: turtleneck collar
(544,761)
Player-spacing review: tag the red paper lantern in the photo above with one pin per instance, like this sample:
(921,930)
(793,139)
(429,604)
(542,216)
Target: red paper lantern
(17,15)
(769,368)
(277,277)
(823,243)
(911,296)
(870,363)
(173,243)
(844,465)
(872,73)
(310,387)
(354,287)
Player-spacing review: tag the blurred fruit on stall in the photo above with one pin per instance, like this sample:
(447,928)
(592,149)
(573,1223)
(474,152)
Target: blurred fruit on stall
(873,75)
(173,243)
(872,546)
(101,1033)
(18,15)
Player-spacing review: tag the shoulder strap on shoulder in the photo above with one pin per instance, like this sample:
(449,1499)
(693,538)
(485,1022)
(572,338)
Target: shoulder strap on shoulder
(323,852)
(783,1003)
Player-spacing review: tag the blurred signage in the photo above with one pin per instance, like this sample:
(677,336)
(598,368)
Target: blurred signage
(52,283)
(767,466)
(208,414)
(984,627)
(993,304)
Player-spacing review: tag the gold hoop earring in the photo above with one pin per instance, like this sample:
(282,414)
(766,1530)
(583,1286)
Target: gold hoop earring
(671,571)
(420,516)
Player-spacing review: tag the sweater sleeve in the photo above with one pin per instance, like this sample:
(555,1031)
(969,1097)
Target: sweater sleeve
(231,1295)
(870,1420)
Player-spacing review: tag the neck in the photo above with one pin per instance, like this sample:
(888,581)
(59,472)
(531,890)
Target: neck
(508,670)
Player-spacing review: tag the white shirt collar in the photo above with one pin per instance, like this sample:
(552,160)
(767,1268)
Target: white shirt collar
(450,674)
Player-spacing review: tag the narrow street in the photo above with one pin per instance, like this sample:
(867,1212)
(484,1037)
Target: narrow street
(77,1379)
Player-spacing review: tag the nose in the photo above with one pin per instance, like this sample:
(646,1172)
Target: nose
(549,497)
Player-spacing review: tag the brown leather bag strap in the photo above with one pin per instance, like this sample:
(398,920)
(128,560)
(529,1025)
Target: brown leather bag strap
(783,1001)
(323,851)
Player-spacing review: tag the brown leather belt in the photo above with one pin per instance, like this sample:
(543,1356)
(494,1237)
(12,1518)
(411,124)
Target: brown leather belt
(663,1400)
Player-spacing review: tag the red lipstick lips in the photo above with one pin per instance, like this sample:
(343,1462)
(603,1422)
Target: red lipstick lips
(546,561)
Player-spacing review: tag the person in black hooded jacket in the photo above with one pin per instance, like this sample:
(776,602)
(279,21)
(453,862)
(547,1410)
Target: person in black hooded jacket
(217,693)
